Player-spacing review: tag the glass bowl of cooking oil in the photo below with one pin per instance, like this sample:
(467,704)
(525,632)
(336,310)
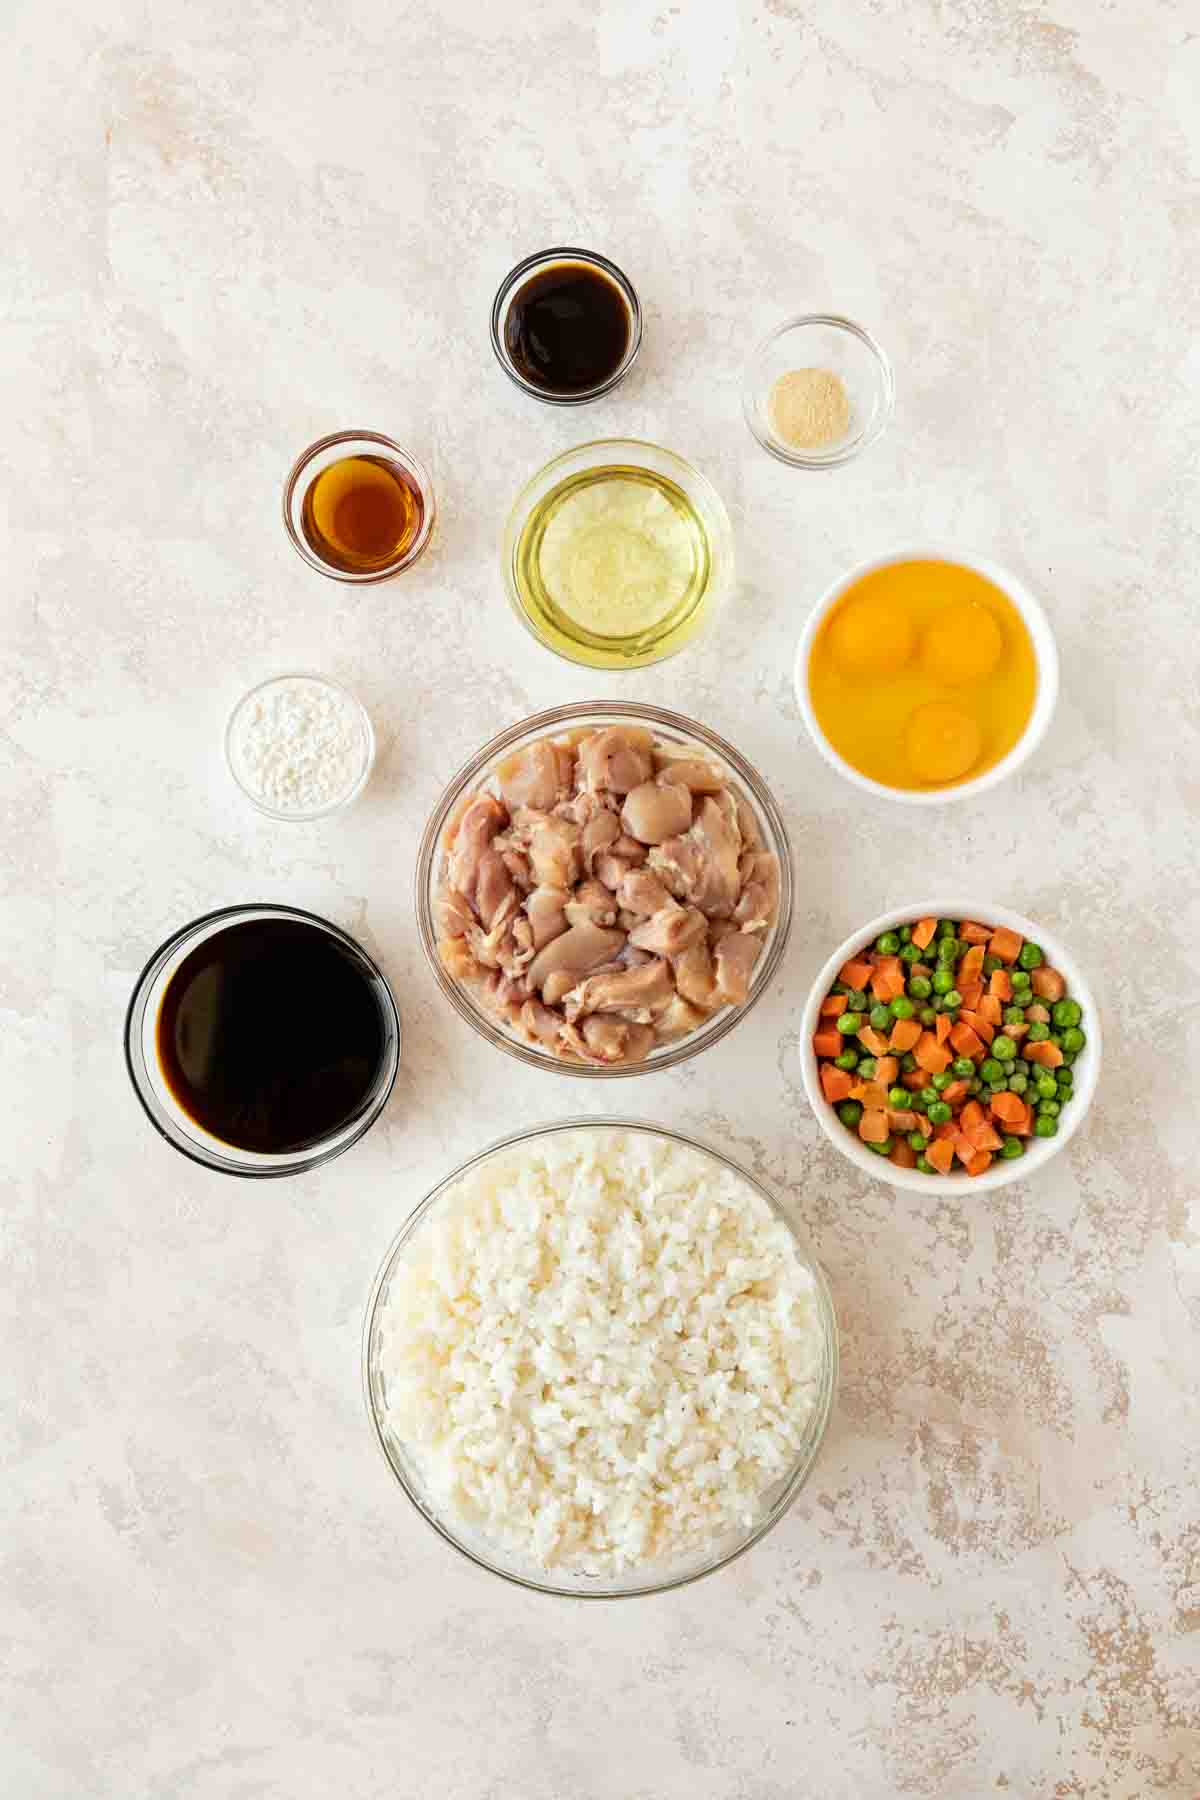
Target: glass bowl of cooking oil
(358,507)
(617,554)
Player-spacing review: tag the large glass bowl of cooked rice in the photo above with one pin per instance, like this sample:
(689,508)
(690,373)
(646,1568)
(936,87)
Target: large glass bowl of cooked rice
(598,1360)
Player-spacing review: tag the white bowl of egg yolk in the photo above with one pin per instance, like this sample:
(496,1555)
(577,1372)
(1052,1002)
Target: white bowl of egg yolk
(927,674)
(1039,1150)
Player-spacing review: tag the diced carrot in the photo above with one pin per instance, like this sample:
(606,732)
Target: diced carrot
(941,1154)
(956,1091)
(991,1009)
(970,968)
(985,1137)
(1037,1013)
(964,1149)
(903,1154)
(887,980)
(971,1114)
(828,1043)
(1017,1032)
(1001,984)
(905,1033)
(913,1080)
(856,973)
(1022,1127)
(923,932)
(979,1025)
(871,1093)
(972,994)
(887,1068)
(873,1040)
(931,1055)
(973,933)
(1048,984)
(924,1126)
(948,1131)
(1046,1053)
(1005,944)
(966,1041)
(1008,1106)
(979,1162)
(919,969)
(900,1119)
(873,1126)
(835,1083)
(833,1005)
(941,1028)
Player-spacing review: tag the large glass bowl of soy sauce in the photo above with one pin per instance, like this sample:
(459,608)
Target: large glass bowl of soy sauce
(262,1040)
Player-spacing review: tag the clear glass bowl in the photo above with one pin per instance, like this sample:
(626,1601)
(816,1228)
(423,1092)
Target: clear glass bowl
(651,1578)
(669,729)
(335,448)
(160,1105)
(821,341)
(367,761)
(507,293)
(595,652)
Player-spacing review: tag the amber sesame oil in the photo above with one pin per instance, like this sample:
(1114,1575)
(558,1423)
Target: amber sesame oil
(613,567)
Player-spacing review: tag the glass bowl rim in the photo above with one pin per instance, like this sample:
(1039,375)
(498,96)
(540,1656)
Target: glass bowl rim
(567,253)
(549,719)
(801,459)
(822,1410)
(722,546)
(414,466)
(333,806)
(195,1152)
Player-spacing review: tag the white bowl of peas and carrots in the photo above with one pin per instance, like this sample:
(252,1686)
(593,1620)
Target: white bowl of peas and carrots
(950,1045)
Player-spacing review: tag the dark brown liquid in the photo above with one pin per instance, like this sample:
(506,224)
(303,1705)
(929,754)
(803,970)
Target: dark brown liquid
(271,1035)
(567,329)
(362,513)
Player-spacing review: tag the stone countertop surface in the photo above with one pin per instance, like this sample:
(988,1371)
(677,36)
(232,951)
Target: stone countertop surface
(232,228)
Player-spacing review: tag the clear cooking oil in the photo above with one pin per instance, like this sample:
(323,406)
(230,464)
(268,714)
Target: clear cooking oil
(613,567)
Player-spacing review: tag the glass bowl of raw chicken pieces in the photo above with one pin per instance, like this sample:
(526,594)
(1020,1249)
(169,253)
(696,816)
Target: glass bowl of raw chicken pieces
(605,890)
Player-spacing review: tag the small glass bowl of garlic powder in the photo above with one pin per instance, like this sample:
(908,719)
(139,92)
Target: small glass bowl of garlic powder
(300,746)
(818,391)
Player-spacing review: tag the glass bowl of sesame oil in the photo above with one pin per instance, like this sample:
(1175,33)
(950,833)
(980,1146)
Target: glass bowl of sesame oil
(617,554)
(358,507)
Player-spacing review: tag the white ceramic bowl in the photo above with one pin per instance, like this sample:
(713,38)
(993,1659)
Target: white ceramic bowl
(1044,649)
(1038,1150)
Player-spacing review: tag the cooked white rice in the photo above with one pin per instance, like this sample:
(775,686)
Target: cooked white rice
(601,1349)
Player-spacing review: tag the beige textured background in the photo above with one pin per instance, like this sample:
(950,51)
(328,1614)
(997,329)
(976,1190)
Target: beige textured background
(228,228)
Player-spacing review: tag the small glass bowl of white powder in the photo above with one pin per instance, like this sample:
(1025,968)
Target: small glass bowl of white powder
(299,746)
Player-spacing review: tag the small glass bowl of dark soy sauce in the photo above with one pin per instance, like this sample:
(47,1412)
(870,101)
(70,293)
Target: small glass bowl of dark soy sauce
(262,1040)
(566,326)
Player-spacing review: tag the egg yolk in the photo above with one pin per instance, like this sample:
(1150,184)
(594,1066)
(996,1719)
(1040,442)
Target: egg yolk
(942,742)
(962,644)
(869,637)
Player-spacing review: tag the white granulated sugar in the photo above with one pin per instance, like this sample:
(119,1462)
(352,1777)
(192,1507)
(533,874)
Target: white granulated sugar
(298,745)
(601,1349)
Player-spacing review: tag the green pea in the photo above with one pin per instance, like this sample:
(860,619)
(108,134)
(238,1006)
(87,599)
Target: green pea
(1073,1040)
(1003,1049)
(839,987)
(997,1087)
(952,1001)
(881,1017)
(1020,980)
(902,1008)
(1038,1032)
(883,1148)
(1064,1081)
(948,951)
(915,1103)
(947,928)
(1043,1127)
(1049,1109)
(975,1086)
(909,953)
(850,1112)
(856,1000)
(943,981)
(920,987)
(1011,1148)
(939,1083)
(963,1067)
(925,1166)
(991,1070)
(847,1060)
(905,934)
(908,1062)
(1018,1083)
(991,964)
(1055,1038)
(1045,1085)
(916,1140)
(1019,1066)
(867,1068)
(1014,1015)
(849,1024)
(1065,1013)
(1031,956)
(898,1097)
(939,1113)
(930,1095)
(1069,1057)
(927,1016)
(887,944)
